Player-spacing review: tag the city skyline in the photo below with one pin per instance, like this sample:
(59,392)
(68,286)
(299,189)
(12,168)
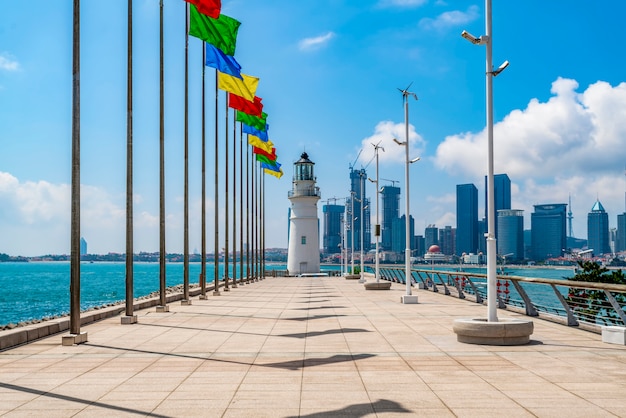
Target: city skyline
(329,74)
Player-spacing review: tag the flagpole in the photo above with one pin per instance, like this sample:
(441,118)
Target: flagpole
(234,201)
(263,225)
(258,223)
(130,317)
(240,204)
(75,336)
(216,271)
(248,201)
(203,215)
(162,301)
(185,300)
(226,231)
(253,220)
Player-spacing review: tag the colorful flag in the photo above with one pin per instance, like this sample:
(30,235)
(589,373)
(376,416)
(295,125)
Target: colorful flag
(227,64)
(254,121)
(254,108)
(210,8)
(256,142)
(247,129)
(276,173)
(244,87)
(263,159)
(275,166)
(221,32)
(260,151)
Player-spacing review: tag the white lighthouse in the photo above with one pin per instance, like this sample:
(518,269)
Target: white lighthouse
(304,249)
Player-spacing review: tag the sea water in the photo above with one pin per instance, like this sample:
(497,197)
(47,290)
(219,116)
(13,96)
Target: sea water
(36,290)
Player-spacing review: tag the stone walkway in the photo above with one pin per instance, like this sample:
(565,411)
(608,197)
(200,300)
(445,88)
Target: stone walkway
(312,347)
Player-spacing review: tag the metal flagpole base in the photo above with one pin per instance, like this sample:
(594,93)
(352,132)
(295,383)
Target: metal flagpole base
(162,308)
(128,319)
(185,302)
(407,299)
(216,293)
(202,297)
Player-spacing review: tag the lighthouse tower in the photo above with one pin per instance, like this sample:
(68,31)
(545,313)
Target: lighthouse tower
(304,250)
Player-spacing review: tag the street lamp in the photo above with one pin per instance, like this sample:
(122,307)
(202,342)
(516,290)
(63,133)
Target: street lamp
(490,235)
(362,201)
(408,297)
(377,227)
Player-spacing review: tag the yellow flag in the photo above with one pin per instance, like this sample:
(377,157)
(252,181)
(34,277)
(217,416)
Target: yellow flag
(277,174)
(245,88)
(259,143)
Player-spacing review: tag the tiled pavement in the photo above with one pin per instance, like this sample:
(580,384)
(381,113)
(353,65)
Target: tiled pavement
(312,347)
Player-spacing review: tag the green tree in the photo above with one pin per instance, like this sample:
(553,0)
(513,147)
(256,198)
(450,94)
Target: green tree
(593,305)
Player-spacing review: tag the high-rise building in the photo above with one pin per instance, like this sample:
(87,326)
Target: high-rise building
(501,196)
(83,246)
(398,244)
(548,228)
(446,240)
(598,230)
(511,230)
(357,187)
(431,237)
(391,198)
(466,219)
(333,216)
(620,239)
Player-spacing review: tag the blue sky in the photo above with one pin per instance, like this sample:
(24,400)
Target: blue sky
(329,74)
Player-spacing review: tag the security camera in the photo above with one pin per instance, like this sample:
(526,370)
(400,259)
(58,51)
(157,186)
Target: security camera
(398,142)
(416,159)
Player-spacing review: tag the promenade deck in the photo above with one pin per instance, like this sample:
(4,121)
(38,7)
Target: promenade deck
(312,347)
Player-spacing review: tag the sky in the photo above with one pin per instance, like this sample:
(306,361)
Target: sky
(329,76)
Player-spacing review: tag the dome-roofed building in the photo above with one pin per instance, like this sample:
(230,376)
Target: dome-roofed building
(434,255)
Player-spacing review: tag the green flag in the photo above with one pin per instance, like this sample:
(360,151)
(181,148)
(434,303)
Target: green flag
(254,121)
(220,32)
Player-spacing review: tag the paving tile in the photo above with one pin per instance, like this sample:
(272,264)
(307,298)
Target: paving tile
(312,347)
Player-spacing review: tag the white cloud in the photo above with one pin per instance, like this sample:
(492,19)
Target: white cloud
(384,132)
(570,144)
(316,42)
(453,18)
(8,63)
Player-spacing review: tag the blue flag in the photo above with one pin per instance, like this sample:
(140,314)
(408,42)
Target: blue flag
(226,64)
(273,167)
(262,135)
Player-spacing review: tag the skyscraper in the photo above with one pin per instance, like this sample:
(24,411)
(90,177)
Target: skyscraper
(333,215)
(466,219)
(357,185)
(598,230)
(431,236)
(548,231)
(511,227)
(398,244)
(391,199)
(620,241)
(446,240)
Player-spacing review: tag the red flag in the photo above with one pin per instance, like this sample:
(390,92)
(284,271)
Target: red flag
(246,106)
(260,151)
(209,8)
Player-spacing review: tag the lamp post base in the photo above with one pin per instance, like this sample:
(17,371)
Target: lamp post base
(407,299)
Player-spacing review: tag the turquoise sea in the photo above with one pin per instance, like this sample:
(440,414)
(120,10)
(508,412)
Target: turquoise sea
(37,290)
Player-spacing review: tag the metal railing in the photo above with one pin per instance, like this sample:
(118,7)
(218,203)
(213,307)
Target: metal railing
(574,302)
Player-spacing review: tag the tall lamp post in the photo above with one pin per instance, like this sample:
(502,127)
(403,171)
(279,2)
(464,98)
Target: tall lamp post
(486,40)
(362,202)
(408,297)
(377,227)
